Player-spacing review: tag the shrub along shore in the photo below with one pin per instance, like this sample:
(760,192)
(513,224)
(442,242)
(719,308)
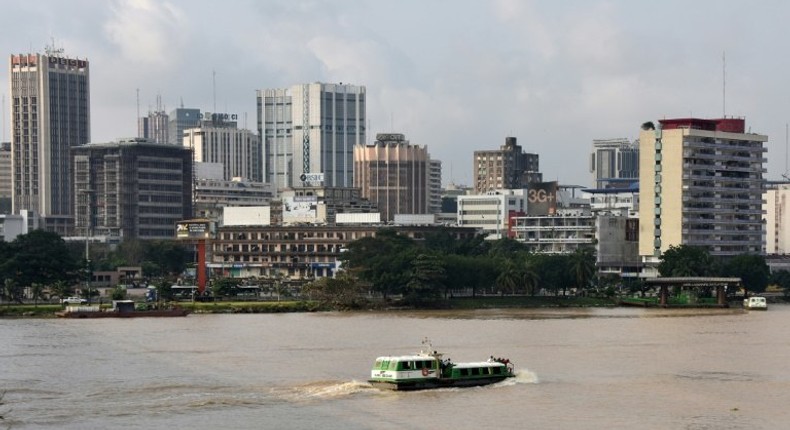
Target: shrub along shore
(250,307)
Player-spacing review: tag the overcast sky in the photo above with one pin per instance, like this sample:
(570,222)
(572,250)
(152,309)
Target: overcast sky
(455,75)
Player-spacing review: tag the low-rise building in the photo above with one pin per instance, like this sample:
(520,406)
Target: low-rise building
(295,252)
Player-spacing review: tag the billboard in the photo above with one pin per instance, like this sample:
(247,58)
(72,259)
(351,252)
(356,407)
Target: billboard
(194,229)
(298,209)
(542,198)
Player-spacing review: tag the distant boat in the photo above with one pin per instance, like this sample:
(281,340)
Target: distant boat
(426,369)
(120,309)
(755,303)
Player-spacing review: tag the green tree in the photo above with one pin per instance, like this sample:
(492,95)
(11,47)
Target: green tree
(37,292)
(12,291)
(118,293)
(686,260)
(61,289)
(40,257)
(781,278)
(225,287)
(530,277)
(164,258)
(164,292)
(427,279)
(383,261)
(341,292)
(582,265)
(752,269)
(509,278)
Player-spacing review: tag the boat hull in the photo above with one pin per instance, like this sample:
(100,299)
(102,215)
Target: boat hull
(430,383)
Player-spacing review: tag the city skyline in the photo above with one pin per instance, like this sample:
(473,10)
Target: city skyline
(556,76)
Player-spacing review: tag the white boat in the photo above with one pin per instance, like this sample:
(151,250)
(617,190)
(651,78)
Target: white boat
(755,302)
(426,369)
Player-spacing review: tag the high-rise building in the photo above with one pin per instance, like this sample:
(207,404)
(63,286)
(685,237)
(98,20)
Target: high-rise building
(179,120)
(776,209)
(133,188)
(509,167)
(309,132)
(155,127)
(700,184)
(50,114)
(614,163)
(394,174)
(216,141)
(5,177)
(435,187)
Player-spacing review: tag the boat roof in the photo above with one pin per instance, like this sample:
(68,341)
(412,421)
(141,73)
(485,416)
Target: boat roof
(413,357)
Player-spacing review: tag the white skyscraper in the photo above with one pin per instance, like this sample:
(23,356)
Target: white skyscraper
(50,114)
(309,132)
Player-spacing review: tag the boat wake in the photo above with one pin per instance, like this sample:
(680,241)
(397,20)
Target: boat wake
(523,376)
(323,390)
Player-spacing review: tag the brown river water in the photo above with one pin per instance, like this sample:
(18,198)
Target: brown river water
(577,369)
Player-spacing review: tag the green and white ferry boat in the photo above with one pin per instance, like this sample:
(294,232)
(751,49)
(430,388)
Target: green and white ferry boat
(427,369)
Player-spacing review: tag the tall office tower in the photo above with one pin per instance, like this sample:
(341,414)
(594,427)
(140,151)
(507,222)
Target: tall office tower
(138,189)
(435,187)
(309,133)
(393,174)
(5,177)
(50,114)
(506,168)
(216,141)
(776,207)
(155,127)
(700,184)
(179,120)
(614,162)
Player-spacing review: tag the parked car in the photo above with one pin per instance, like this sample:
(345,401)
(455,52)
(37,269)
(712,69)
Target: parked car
(73,301)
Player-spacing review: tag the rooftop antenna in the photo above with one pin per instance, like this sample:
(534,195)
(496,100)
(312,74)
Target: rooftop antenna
(181,99)
(4,117)
(723,84)
(138,113)
(214,88)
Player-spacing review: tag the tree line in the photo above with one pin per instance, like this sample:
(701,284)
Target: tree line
(42,265)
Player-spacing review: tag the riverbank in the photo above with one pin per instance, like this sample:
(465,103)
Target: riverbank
(251,307)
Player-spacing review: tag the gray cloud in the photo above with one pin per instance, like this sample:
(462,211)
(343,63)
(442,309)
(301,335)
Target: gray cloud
(454,75)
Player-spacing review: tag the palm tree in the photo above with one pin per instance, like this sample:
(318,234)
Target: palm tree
(530,278)
(509,278)
(582,262)
(37,291)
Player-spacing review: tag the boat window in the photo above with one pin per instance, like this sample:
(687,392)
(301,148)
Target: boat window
(497,370)
(475,371)
(407,365)
(393,365)
(464,372)
(378,364)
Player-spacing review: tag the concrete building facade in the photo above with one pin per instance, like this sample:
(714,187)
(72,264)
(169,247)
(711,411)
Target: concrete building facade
(395,175)
(509,167)
(132,188)
(776,209)
(700,184)
(238,150)
(5,178)
(492,212)
(50,114)
(179,120)
(612,161)
(308,133)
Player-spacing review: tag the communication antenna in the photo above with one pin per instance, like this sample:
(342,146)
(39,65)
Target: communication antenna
(4,117)
(723,84)
(51,49)
(138,113)
(214,88)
